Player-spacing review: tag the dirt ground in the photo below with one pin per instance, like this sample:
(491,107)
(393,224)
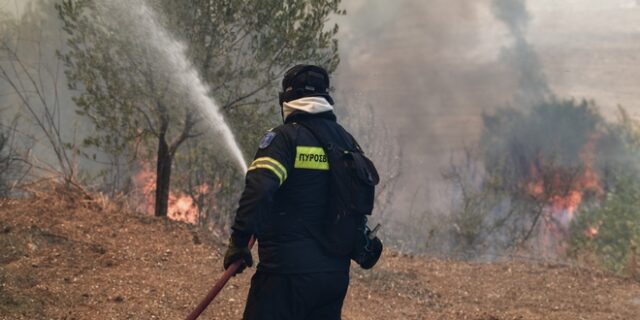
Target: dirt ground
(78,257)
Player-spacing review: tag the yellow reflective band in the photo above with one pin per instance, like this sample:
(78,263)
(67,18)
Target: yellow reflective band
(311,158)
(272,161)
(272,164)
(270,167)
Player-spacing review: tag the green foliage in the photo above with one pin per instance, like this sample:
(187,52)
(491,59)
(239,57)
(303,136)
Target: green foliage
(240,49)
(123,90)
(610,229)
(616,218)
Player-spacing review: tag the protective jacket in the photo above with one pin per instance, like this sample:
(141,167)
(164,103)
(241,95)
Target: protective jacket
(285,201)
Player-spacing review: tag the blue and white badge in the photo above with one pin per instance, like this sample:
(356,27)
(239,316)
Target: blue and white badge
(267,139)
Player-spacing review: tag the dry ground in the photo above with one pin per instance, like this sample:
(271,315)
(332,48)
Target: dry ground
(72,257)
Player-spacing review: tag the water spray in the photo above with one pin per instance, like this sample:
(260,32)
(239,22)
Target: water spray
(172,54)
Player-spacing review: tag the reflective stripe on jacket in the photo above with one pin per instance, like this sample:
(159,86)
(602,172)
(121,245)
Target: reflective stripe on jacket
(286,193)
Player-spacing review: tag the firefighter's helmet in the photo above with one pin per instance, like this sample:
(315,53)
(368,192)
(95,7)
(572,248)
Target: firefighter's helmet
(305,80)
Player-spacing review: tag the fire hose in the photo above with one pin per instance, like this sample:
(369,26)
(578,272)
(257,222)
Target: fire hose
(218,286)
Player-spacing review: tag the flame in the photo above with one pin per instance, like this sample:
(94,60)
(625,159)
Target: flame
(592,232)
(561,190)
(562,193)
(182,206)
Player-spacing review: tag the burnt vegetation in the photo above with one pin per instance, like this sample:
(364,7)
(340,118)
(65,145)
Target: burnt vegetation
(557,180)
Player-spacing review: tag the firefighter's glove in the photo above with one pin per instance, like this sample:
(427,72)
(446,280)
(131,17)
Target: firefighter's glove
(374,251)
(235,253)
(368,249)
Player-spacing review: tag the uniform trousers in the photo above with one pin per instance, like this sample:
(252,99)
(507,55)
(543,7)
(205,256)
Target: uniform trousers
(311,296)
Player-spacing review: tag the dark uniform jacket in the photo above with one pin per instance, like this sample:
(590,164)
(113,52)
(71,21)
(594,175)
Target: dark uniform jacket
(285,199)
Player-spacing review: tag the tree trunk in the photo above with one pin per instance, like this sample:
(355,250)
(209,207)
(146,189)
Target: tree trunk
(163,178)
(166,153)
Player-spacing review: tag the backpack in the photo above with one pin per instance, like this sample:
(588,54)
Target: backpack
(353,178)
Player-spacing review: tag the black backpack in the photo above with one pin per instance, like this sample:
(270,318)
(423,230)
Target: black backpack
(353,178)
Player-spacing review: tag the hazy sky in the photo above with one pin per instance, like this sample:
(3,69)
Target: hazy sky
(589,49)
(13,6)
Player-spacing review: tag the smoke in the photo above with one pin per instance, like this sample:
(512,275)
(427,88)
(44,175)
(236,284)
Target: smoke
(430,69)
(514,14)
(13,8)
(522,58)
(30,36)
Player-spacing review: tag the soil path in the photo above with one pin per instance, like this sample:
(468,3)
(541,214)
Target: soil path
(69,257)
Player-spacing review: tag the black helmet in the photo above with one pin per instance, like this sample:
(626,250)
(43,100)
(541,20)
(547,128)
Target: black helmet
(305,80)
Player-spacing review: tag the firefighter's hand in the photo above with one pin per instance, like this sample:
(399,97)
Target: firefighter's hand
(235,253)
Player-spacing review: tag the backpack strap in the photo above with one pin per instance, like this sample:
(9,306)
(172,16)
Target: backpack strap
(320,131)
(318,137)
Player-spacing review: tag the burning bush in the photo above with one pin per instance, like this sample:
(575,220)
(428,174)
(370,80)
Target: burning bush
(534,172)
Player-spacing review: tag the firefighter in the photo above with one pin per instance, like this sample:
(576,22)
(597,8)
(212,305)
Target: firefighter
(285,197)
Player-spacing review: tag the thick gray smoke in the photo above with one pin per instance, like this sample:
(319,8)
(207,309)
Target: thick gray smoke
(514,14)
(430,69)
(521,56)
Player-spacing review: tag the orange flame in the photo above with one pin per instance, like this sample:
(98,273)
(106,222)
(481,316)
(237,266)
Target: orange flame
(592,232)
(563,193)
(181,205)
(560,190)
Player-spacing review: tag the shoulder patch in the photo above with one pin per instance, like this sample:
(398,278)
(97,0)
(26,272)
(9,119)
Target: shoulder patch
(267,139)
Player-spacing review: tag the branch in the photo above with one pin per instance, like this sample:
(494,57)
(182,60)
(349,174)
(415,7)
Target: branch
(48,125)
(535,222)
(189,123)
(251,93)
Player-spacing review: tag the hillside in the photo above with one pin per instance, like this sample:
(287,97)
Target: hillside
(67,256)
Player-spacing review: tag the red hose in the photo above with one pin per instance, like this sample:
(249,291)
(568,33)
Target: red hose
(218,286)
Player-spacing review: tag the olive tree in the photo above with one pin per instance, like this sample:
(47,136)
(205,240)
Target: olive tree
(240,49)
